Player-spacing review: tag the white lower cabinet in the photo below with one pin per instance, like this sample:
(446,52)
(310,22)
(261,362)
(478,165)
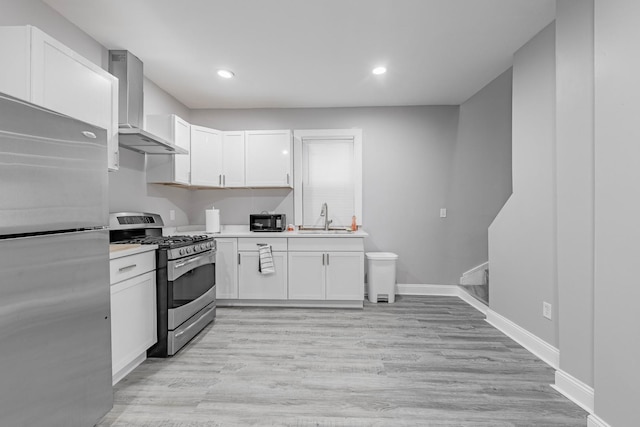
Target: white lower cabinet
(307,276)
(345,276)
(325,270)
(253,284)
(226,268)
(326,276)
(133,311)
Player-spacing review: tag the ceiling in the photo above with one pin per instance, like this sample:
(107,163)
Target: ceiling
(315,53)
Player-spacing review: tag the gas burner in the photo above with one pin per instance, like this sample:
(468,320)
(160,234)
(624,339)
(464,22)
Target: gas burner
(167,242)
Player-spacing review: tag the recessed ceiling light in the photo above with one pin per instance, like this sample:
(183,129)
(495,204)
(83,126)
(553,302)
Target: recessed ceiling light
(226,74)
(379,70)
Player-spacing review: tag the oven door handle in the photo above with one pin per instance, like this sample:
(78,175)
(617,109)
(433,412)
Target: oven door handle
(177,268)
(190,261)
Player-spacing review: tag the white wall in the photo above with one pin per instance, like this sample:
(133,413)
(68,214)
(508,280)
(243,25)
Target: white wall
(575,185)
(617,207)
(522,239)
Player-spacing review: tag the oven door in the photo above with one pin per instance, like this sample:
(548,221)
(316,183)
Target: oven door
(191,287)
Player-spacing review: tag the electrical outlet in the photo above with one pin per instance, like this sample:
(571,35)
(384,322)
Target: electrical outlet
(546,310)
(443,212)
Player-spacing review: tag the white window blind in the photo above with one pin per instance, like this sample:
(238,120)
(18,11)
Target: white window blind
(328,177)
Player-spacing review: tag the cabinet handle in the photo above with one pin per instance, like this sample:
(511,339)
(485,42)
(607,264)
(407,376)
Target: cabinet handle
(128,267)
(238,259)
(224,180)
(287,179)
(220,180)
(327,259)
(322,259)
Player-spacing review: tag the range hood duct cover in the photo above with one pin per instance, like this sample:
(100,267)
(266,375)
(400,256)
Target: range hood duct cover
(128,69)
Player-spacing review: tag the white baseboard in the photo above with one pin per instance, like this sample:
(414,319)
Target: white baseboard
(126,369)
(442,290)
(594,421)
(413,289)
(535,345)
(473,302)
(570,387)
(531,342)
(575,390)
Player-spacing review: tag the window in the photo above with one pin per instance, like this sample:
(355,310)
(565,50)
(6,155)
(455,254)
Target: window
(327,169)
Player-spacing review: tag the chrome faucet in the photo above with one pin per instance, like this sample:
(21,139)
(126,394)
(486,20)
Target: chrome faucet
(325,214)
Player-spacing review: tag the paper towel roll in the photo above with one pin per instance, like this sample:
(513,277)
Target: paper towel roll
(212,220)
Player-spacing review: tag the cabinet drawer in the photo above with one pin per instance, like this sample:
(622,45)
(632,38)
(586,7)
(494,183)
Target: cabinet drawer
(130,266)
(251,243)
(326,244)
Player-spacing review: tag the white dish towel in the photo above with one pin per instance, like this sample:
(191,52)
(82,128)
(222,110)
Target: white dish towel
(265,263)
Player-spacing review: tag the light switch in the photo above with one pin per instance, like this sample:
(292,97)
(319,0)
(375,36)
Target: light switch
(443,212)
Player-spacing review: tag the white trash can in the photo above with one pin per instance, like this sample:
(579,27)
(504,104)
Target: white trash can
(381,275)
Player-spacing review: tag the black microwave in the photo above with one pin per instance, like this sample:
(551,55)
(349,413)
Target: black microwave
(267,222)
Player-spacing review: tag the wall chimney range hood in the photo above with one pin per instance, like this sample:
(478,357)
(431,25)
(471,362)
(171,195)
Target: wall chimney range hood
(128,69)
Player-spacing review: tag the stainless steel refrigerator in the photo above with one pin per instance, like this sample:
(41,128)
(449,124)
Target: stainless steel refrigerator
(55,345)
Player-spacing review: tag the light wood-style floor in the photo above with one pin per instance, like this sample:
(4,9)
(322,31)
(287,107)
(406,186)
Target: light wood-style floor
(422,361)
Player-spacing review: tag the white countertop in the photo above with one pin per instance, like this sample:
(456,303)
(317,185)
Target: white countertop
(243,231)
(120,250)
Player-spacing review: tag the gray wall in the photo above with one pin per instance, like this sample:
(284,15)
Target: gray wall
(407,156)
(617,207)
(480,173)
(127,186)
(411,155)
(522,239)
(128,189)
(414,163)
(575,185)
(38,14)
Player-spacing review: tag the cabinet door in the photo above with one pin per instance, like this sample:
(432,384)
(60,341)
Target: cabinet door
(15,73)
(268,158)
(254,285)
(233,159)
(306,275)
(68,83)
(182,138)
(206,156)
(345,276)
(227,268)
(133,319)
(169,169)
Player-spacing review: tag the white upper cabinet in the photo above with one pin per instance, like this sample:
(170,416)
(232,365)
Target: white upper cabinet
(171,169)
(206,157)
(233,159)
(41,70)
(268,160)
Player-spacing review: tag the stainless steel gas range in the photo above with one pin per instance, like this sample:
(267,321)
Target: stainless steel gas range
(185,278)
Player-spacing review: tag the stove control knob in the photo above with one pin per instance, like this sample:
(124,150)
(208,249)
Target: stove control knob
(188,250)
(198,247)
(181,251)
